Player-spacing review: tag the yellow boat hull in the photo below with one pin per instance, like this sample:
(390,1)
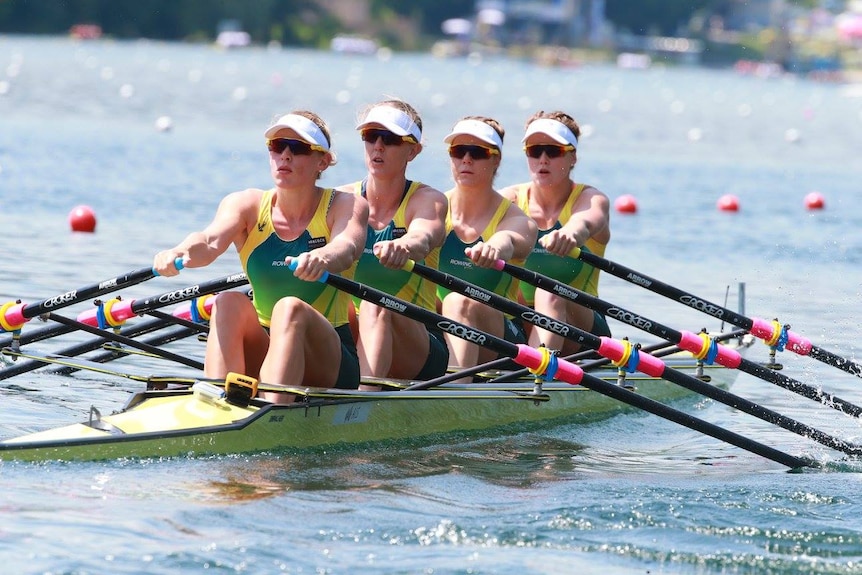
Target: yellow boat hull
(182,423)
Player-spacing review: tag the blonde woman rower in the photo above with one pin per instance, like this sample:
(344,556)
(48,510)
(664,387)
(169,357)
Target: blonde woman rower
(406,221)
(296,330)
(481,227)
(569,215)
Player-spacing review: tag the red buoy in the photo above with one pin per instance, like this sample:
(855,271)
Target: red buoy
(814,201)
(82,219)
(626,204)
(728,203)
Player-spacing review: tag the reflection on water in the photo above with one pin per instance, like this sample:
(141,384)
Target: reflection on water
(522,461)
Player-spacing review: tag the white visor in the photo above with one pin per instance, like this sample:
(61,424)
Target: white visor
(307,130)
(556,130)
(478,129)
(396,121)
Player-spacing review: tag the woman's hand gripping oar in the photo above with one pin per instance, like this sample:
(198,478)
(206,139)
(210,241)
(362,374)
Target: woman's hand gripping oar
(775,335)
(543,363)
(699,345)
(624,354)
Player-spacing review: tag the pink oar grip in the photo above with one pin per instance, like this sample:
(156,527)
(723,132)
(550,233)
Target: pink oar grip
(762,328)
(725,356)
(798,344)
(566,370)
(765,330)
(615,351)
(499,265)
(184,310)
(120,311)
(15,314)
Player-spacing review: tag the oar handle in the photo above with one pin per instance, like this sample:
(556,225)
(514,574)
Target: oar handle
(179,263)
(293,264)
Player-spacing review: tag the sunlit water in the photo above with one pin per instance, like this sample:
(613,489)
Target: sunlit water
(634,494)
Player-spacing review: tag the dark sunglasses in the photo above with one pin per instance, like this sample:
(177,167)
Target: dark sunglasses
(370,135)
(297,147)
(550,150)
(476,152)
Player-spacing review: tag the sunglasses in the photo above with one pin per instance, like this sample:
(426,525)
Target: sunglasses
(550,150)
(458,151)
(371,135)
(297,147)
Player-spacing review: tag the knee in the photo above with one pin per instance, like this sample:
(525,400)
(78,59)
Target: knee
(230,304)
(290,310)
(458,306)
(373,317)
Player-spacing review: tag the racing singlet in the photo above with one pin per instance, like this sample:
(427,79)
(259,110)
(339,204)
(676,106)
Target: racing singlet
(568,270)
(453,260)
(399,283)
(262,258)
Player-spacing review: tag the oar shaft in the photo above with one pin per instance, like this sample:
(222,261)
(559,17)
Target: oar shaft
(645,363)
(127,341)
(120,311)
(566,371)
(80,348)
(686,340)
(110,355)
(21,313)
(761,328)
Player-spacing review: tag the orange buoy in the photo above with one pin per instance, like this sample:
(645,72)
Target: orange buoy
(82,219)
(728,203)
(814,201)
(626,204)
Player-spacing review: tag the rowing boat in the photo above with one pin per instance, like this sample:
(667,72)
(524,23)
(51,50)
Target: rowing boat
(180,416)
(196,421)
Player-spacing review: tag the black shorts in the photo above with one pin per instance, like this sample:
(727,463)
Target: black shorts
(600,325)
(513,330)
(348,372)
(438,356)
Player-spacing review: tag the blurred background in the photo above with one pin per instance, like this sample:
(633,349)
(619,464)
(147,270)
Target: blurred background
(811,37)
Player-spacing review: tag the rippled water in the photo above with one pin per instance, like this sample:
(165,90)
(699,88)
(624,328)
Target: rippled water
(634,494)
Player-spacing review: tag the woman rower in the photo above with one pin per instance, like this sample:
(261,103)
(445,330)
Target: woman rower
(481,227)
(406,221)
(569,215)
(295,331)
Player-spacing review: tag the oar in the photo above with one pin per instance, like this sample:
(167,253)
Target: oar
(115,312)
(504,361)
(128,341)
(568,372)
(657,349)
(699,345)
(192,292)
(80,348)
(14,315)
(772,332)
(109,354)
(622,353)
